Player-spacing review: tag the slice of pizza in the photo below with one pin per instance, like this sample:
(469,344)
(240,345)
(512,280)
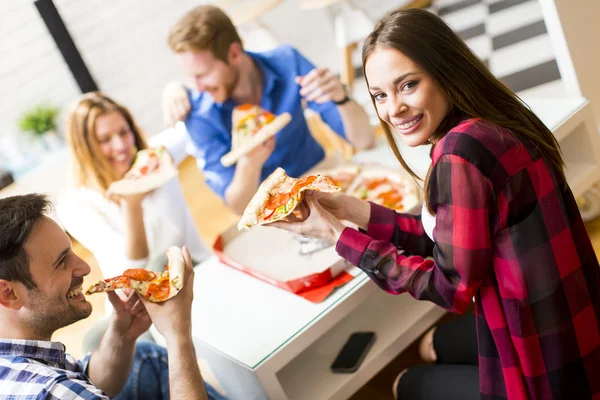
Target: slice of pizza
(343,175)
(385,187)
(252,126)
(156,287)
(278,196)
(151,169)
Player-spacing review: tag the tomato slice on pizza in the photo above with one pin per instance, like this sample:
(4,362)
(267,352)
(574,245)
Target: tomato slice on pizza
(151,169)
(385,188)
(155,286)
(278,196)
(252,126)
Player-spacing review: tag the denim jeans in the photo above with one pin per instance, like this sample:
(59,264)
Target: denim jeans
(149,376)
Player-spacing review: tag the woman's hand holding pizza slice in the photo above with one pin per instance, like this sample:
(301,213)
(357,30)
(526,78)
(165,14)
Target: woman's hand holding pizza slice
(278,196)
(313,220)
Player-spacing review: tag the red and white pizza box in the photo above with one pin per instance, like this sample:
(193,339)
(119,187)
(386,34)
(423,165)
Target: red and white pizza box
(272,255)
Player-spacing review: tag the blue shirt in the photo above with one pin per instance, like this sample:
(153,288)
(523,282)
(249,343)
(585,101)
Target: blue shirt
(31,369)
(209,123)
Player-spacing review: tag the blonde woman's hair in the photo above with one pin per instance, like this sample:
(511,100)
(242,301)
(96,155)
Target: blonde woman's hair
(90,167)
(204,28)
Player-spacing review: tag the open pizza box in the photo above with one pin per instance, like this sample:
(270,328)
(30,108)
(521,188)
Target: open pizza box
(272,255)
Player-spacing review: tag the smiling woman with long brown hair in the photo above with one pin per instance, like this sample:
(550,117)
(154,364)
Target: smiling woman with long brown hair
(499,223)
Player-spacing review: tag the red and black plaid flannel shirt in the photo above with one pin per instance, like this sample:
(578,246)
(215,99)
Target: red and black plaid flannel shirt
(508,231)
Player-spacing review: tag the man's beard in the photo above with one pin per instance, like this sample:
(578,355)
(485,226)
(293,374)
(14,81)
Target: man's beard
(50,313)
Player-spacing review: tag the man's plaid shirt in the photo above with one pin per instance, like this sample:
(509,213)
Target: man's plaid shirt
(32,369)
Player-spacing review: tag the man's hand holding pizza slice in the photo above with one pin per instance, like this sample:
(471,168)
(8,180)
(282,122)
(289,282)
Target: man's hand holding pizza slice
(253,128)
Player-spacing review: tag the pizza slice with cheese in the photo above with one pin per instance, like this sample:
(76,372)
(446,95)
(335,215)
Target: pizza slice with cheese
(252,126)
(152,168)
(155,286)
(278,196)
(385,187)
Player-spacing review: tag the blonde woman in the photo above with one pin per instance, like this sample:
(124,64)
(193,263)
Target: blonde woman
(121,231)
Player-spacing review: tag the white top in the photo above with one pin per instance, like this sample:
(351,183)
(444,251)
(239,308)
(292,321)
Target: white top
(428,221)
(99,225)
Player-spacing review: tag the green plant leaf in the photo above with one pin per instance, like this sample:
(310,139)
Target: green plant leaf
(39,120)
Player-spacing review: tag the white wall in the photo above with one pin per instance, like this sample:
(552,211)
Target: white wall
(578,60)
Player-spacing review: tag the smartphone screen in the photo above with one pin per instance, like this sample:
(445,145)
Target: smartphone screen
(353,352)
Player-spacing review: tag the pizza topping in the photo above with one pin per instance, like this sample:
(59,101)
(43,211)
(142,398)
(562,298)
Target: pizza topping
(277,200)
(159,290)
(267,117)
(303,183)
(146,162)
(245,107)
(252,123)
(119,280)
(382,190)
(140,274)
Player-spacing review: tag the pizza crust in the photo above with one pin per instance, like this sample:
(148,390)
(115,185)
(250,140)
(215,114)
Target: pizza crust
(176,269)
(144,184)
(253,209)
(265,133)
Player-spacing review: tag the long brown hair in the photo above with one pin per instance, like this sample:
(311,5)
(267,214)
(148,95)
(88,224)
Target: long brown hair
(470,87)
(90,167)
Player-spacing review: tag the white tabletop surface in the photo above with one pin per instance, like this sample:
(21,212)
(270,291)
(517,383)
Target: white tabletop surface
(248,319)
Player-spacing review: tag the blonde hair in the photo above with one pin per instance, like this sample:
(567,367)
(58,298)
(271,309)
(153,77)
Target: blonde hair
(204,28)
(90,167)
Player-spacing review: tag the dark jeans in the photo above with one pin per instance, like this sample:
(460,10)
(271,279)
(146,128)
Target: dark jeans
(149,376)
(455,375)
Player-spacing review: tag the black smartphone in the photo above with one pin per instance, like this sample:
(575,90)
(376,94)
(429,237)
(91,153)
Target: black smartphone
(353,353)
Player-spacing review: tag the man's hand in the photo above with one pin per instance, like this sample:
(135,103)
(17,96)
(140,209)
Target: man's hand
(173,318)
(130,319)
(260,154)
(321,85)
(175,104)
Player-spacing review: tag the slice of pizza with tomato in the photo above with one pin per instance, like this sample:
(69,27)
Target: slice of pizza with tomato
(278,196)
(385,187)
(252,126)
(152,168)
(155,286)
